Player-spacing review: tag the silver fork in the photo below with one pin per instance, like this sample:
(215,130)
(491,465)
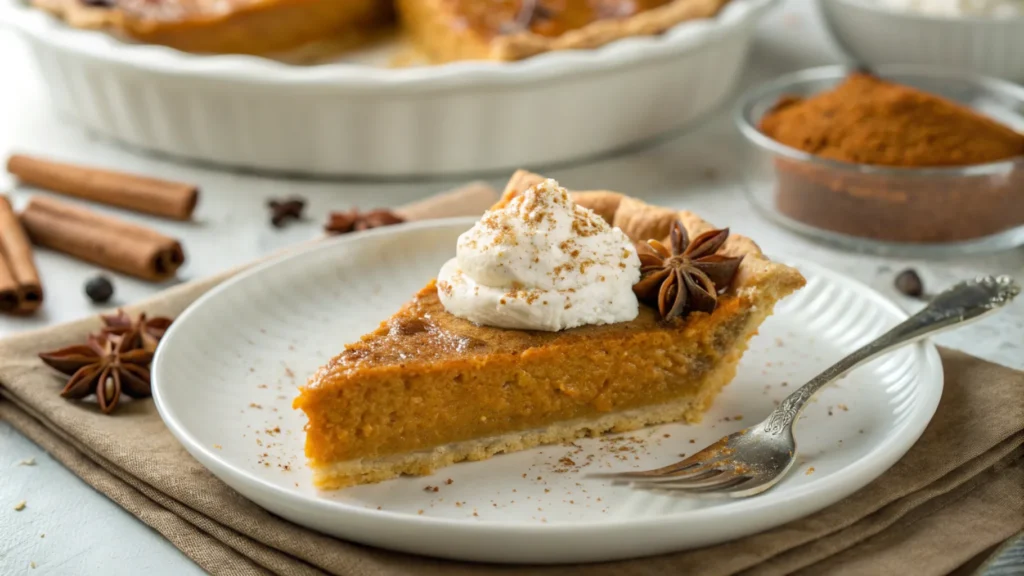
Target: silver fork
(754,459)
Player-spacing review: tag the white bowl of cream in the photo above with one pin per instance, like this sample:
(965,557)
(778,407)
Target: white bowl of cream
(981,36)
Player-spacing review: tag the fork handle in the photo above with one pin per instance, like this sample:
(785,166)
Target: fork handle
(964,302)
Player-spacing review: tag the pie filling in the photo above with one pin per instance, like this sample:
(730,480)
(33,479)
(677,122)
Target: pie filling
(397,407)
(334,475)
(680,380)
(256,28)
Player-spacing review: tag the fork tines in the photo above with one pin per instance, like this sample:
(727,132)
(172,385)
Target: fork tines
(690,469)
(729,483)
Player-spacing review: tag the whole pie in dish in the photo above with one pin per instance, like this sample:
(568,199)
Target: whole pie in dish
(442,30)
(427,389)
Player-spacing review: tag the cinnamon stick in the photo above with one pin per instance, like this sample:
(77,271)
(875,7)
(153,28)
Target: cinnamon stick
(9,300)
(20,288)
(102,240)
(173,200)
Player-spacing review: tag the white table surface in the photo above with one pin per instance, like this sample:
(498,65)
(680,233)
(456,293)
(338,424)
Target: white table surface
(68,528)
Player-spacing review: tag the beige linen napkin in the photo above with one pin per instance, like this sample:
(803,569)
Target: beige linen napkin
(956,494)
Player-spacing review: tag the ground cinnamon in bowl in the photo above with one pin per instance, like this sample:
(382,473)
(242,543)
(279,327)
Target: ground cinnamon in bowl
(895,151)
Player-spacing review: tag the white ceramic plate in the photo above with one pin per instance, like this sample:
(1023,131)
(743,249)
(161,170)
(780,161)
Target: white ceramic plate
(349,119)
(245,347)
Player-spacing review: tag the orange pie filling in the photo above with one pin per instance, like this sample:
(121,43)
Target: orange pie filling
(502,382)
(245,27)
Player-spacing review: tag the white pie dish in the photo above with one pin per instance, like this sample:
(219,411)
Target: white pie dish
(276,324)
(359,120)
(876,35)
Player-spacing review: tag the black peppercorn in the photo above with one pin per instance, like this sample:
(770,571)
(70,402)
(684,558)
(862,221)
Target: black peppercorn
(99,289)
(908,282)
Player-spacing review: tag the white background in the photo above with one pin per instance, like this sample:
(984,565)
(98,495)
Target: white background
(87,534)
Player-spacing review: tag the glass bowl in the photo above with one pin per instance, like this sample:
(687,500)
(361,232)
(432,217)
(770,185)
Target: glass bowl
(925,212)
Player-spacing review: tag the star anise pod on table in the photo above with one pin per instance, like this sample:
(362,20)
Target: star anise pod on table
(685,276)
(283,210)
(356,221)
(106,365)
(146,331)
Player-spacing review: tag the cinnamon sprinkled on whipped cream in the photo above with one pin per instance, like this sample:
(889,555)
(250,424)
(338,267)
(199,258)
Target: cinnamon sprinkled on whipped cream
(541,263)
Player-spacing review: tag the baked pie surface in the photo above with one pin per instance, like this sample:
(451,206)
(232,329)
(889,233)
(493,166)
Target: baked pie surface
(427,389)
(442,30)
(450,30)
(258,27)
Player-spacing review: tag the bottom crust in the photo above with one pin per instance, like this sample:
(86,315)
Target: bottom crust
(690,410)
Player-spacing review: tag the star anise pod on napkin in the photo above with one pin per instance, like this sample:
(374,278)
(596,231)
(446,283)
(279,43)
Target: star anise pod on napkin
(106,365)
(356,221)
(686,276)
(146,331)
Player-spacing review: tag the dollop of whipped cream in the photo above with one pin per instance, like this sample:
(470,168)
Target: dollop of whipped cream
(541,263)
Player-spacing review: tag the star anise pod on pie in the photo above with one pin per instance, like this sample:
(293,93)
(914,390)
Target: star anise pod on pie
(146,331)
(107,366)
(685,276)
